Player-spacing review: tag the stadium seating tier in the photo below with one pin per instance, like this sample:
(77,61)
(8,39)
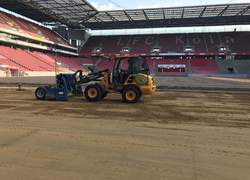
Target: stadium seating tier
(199,43)
(12,23)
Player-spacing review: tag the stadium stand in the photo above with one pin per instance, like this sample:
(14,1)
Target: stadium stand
(197,43)
(19,60)
(196,53)
(18,26)
(27,48)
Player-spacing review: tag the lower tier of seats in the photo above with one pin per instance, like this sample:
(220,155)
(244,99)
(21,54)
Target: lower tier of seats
(16,62)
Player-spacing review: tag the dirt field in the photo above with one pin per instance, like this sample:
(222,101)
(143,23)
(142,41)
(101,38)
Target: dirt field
(164,82)
(187,135)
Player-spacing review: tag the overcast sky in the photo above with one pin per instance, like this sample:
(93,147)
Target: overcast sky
(133,4)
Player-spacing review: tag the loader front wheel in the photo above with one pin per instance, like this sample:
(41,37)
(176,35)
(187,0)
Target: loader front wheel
(131,94)
(93,93)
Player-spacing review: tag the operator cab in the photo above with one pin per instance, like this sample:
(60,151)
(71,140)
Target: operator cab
(124,67)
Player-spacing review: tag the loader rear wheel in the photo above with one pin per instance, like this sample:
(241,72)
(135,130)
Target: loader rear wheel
(131,94)
(93,93)
(40,93)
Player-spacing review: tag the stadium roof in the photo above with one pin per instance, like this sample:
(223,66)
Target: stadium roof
(80,13)
(222,14)
(69,12)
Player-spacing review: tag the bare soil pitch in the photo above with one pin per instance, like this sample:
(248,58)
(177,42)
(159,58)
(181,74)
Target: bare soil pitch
(174,135)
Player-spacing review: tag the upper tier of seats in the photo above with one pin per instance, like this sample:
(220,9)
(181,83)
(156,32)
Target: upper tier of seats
(14,24)
(199,43)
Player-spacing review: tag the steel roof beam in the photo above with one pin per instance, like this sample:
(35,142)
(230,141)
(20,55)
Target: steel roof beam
(111,17)
(128,16)
(223,11)
(145,14)
(243,11)
(203,11)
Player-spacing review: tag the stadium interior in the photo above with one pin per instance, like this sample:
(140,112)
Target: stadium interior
(30,48)
(78,101)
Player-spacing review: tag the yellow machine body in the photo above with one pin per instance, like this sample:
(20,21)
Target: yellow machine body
(146,83)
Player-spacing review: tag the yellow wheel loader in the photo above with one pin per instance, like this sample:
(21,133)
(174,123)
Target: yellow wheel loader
(130,77)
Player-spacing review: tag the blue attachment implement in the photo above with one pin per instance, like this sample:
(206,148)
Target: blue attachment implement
(65,87)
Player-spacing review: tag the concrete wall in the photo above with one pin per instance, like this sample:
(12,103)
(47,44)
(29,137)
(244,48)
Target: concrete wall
(241,66)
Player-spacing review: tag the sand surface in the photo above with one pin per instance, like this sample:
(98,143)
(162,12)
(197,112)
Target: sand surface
(175,135)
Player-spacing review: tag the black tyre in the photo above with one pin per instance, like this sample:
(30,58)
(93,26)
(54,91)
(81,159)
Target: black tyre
(40,93)
(131,94)
(93,92)
(104,94)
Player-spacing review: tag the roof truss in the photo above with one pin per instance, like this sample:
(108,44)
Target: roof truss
(165,15)
(77,13)
(70,12)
